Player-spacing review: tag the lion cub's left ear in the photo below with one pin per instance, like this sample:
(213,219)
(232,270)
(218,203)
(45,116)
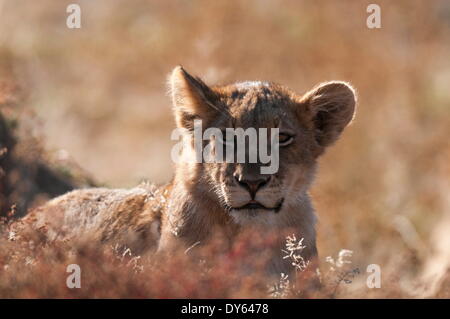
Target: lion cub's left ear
(192,99)
(331,107)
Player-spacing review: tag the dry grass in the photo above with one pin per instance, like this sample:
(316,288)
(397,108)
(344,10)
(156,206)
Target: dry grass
(97,95)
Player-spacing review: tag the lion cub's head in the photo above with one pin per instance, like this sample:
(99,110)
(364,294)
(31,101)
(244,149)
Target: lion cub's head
(306,125)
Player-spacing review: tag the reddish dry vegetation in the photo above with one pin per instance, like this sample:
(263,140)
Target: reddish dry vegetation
(33,267)
(95,97)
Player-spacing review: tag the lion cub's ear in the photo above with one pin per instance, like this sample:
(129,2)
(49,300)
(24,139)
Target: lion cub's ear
(331,106)
(191,98)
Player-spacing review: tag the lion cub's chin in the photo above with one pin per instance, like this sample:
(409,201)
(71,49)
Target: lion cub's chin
(255,216)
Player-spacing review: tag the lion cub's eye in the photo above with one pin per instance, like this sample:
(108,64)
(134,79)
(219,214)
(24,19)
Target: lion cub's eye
(285,139)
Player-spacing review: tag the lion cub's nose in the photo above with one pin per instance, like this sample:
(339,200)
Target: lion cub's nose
(252,184)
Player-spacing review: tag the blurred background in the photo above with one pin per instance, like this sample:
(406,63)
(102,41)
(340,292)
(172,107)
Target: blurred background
(96,97)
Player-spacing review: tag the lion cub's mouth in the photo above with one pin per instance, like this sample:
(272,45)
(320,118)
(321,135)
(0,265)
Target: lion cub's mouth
(256,205)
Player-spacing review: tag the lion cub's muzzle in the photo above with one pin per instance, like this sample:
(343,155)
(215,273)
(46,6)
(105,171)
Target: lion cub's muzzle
(256,187)
(252,184)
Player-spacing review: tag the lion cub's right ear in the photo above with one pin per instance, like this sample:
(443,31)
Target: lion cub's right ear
(191,98)
(331,107)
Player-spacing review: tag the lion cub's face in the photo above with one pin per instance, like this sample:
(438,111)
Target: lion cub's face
(306,125)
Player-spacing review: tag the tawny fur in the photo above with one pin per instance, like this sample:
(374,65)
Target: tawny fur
(199,203)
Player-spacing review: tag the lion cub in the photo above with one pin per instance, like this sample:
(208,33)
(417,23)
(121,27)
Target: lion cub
(205,199)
